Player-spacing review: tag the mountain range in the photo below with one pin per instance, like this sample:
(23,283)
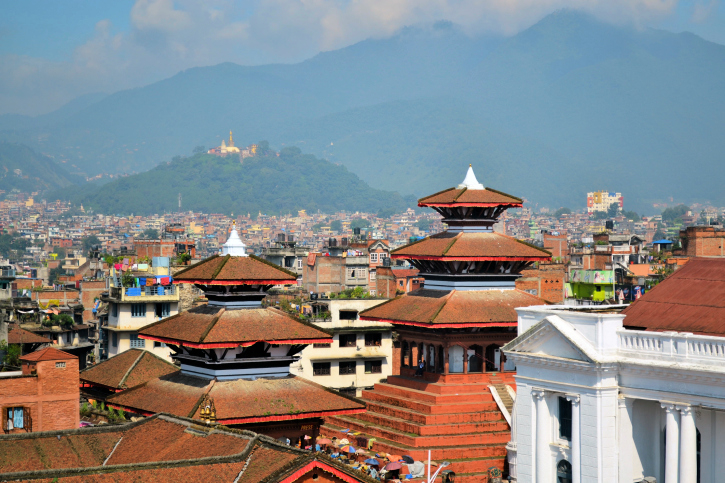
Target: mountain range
(23,169)
(566,106)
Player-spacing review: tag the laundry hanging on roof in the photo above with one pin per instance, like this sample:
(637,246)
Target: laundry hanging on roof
(142,281)
(149,282)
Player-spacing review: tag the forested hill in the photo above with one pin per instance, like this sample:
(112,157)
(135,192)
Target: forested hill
(37,172)
(266,183)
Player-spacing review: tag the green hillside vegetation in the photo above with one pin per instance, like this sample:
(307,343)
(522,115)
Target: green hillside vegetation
(37,172)
(269,184)
(566,106)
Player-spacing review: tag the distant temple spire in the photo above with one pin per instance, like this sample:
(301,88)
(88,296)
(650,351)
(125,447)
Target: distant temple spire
(470,182)
(234,245)
(231,139)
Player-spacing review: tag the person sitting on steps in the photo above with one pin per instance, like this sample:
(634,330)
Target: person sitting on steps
(421,368)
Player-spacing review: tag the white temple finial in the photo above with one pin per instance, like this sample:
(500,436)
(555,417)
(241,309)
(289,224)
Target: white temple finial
(470,181)
(234,245)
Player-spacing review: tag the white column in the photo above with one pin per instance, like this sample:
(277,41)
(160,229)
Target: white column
(542,437)
(688,445)
(576,445)
(626,450)
(672,443)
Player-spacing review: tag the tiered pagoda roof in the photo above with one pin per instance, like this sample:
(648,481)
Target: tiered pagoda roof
(127,369)
(213,327)
(233,351)
(463,196)
(439,309)
(471,246)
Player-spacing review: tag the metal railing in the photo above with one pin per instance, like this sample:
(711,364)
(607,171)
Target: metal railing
(153,291)
(7,273)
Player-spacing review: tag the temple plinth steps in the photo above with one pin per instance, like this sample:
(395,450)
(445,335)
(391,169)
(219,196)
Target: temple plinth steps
(458,421)
(398,424)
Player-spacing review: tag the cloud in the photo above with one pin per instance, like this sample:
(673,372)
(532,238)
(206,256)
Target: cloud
(703,11)
(167,36)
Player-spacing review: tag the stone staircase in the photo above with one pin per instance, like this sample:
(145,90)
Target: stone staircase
(458,422)
(503,392)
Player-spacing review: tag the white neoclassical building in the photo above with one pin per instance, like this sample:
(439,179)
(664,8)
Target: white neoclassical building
(611,396)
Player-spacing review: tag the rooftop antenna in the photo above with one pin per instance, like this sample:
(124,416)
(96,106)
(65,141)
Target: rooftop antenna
(179,202)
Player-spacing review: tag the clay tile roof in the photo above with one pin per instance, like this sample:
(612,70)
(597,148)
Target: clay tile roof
(207,326)
(438,308)
(266,461)
(229,270)
(174,393)
(47,354)
(237,401)
(127,369)
(164,440)
(471,246)
(690,300)
(467,197)
(17,335)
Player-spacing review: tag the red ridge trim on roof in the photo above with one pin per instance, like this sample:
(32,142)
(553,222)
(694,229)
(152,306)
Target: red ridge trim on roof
(472,259)
(445,326)
(286,417)
(324,467)
(513,205)
(231,345)
(234,282)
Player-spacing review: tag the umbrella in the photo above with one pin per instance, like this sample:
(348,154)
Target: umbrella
(347,449)
(394,457)
(393,466)
(344,441)
(345,431)
(432,463)
(308,437)
(361,451)
(372,461)
(408,459)
(324,441)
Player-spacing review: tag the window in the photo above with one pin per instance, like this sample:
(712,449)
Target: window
(373,367)
(299,263)
(372,274)
(114,310)
(350,273)
(373,340)
(163,309)
(563,472)
(321,368)
(348,367)
(15,418)
(348,315)
(348,340)
(372,293)
(138,310)
(362,273)
(114,339)
(60,365)
(158,344)
(373,258)
(322,345)
(564,419)
(136,342)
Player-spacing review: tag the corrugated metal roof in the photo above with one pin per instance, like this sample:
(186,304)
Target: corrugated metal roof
(690,300)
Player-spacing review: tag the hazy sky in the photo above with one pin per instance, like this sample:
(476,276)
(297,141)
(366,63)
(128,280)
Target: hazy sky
(52,51)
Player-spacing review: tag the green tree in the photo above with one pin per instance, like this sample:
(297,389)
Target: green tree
(60,251)
(199,150)
(613,210)
(675,213)
(12,353)
(151,233)
(336,226)
(423,224)
(55,274)
(359,223)
(562,211)
(631,215)
(599,215)
(89,241)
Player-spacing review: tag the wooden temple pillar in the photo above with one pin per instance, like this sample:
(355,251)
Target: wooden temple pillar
(446,358)
(465,360)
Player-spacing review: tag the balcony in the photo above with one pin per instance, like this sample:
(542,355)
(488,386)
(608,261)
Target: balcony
(7,273)
(145,294)
(682,347)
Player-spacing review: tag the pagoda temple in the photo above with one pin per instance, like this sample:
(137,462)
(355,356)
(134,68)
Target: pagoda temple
(235,355)
(455,325)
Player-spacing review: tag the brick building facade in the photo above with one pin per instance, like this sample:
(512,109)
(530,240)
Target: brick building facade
(703,241)
(154,248)
(44,396)
(546,281)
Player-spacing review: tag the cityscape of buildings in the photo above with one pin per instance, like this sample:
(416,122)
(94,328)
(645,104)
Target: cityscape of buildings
(537,346)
